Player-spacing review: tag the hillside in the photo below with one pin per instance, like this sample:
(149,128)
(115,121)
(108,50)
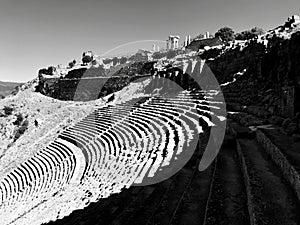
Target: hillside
(7,87)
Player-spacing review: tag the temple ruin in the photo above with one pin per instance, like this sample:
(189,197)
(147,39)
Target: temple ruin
(173,42)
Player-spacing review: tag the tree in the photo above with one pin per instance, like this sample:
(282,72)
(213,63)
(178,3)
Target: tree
(51,70)
(123,60)
(71,64)
(225,33)
(19,119)
(258,31)
(250,34)
(43,71)
(86,59)
(244,35)
(8,110)
(115,60)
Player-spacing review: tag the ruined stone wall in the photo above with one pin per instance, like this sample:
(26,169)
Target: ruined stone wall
(90,84)
(274,67)
(82,89)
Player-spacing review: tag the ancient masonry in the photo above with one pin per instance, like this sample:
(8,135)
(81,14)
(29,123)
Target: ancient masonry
(173,42)
(187,40)
(155,48)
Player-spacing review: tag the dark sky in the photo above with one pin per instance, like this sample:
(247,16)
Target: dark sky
(39,33)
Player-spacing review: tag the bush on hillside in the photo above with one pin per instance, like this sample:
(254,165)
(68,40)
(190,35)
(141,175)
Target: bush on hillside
(115,60)
(21,130)
(123,60)
(107,61)
(72,63)
(8,110)
(19,119)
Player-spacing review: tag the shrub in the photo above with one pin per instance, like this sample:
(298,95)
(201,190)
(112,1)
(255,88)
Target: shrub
(43,71)
(115,61)
(71,64)
(51,70)
(107,61)
(8,110)
(19,119)
(123,60)
(21,130)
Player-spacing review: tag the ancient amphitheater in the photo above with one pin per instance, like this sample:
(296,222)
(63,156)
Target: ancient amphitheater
(147,160)
(138,142)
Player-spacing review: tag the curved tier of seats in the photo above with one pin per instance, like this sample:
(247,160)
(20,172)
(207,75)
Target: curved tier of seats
(114,147)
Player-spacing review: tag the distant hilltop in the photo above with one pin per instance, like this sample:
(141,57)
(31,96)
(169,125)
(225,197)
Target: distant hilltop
(265,58)
(7,88)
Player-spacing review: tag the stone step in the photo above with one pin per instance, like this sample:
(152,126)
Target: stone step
(284,152)
(228,199)
(247,119)
(271,199)
(233,99)
(231,94)
(239,131)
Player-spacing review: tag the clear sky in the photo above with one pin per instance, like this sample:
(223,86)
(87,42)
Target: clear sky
(39,33)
